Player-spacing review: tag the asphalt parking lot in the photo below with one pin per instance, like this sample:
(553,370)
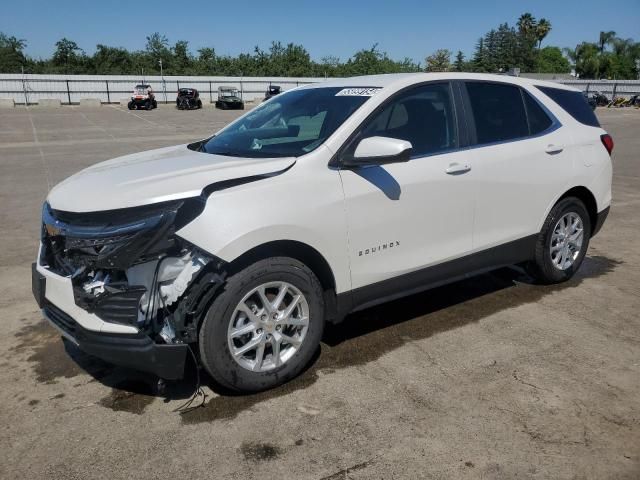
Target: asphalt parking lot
(492,377)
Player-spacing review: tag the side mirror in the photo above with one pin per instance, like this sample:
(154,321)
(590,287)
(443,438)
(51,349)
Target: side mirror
(380,151)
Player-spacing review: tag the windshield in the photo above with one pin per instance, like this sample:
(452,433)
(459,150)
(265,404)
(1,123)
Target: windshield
(289,125)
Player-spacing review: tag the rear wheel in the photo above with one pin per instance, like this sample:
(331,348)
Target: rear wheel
(265,326)
(562,243)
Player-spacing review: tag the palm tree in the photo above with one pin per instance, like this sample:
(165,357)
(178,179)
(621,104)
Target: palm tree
(526,24)
(605,39)
(542,30)
(622,47)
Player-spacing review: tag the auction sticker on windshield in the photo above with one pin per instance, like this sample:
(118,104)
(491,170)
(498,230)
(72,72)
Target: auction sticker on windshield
(358,92)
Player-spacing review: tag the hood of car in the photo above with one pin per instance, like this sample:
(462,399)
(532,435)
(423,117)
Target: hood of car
(154,176)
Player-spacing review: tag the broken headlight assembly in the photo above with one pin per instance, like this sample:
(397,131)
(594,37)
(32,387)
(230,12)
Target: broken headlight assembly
(127,266)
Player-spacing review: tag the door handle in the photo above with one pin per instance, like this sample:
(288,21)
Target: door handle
(457,169)
(553,149)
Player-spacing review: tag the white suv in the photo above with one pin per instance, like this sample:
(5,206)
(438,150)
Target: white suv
(323,200)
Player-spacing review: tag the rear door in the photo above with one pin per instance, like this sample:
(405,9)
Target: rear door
(520,160)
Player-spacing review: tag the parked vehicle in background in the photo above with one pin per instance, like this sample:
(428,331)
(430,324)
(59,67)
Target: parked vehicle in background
(229,98)
(621,101)
(142,97)
(272,91)
(327,199)
(188,99)
(591,100)
(600,98)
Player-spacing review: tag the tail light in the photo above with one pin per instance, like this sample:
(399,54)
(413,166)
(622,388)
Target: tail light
(607,141)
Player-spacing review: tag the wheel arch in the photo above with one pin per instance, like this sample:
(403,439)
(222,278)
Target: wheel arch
(585,195)
(302,252)
(589,200)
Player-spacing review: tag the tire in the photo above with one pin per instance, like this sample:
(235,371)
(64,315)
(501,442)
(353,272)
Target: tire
(214,342)
(155,104)
(199,104)
(147,105)
(131,105)
(544,267)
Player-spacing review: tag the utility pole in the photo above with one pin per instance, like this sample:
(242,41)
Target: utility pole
(164,85)
(24,88)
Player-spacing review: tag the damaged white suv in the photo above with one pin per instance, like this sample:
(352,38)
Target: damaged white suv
(326,199)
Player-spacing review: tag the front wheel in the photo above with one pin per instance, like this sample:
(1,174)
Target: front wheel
(264,327)
(562,242)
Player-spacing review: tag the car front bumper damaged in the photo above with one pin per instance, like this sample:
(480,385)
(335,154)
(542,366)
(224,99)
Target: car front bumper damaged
(130,291)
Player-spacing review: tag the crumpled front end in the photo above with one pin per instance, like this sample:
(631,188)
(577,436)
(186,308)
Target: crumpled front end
(125,278)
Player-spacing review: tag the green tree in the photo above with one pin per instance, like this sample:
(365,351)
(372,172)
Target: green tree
(373,61)
(439,61)
(112,61)
(12,58)
(551,60)
(156,49)
(459,65)
(206,62)
(586,58)
(70,58)
(182,60)
(478,62)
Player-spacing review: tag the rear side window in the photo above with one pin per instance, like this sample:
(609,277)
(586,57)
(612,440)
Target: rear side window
(574,103)
(539,121)
(498,112)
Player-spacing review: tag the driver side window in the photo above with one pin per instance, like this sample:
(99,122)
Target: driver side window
(423,116)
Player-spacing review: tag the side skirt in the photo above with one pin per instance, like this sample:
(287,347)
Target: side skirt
(436,275)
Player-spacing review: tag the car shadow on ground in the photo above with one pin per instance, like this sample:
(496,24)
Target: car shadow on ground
(363,337)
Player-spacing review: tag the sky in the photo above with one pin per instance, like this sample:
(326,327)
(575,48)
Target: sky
(402,28)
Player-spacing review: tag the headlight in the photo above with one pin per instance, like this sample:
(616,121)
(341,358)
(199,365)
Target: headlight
(114,258)
(115,238)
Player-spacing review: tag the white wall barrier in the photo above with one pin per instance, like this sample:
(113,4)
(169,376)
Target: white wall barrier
(70,89)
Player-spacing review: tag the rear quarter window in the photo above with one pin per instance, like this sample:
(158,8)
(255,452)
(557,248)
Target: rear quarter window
(573,103)
(539,121)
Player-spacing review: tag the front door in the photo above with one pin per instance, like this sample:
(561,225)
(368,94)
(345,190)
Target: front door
(404,217)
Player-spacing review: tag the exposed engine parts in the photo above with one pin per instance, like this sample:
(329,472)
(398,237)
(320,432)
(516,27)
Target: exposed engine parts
(141,294)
